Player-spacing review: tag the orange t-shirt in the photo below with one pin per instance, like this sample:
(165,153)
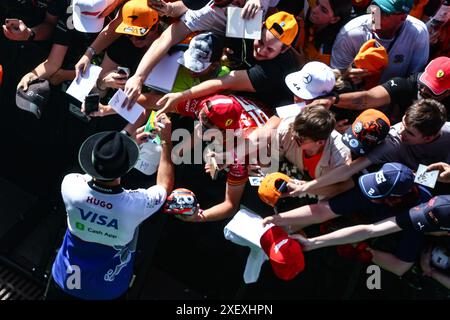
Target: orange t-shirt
(310,163)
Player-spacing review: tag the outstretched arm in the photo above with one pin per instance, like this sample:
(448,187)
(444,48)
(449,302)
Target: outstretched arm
(350,234)
(175,33)
(339,174)
(166,172)
(236,80)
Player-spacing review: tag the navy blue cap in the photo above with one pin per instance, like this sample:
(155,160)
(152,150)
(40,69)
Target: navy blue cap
(393,179)
(433,215)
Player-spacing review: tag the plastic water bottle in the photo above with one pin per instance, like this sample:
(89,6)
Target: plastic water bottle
(438,20)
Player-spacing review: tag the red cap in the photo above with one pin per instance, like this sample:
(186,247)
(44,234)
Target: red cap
(285,254)
(223,111)
(436,76)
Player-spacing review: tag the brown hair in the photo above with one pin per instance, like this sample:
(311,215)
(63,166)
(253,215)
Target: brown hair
(315,122)
(427,116)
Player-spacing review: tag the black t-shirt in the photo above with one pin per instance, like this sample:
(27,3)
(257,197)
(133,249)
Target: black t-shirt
(77,42)
(31,12)
(267,76)
(354,202)
(125,54)
(402,91)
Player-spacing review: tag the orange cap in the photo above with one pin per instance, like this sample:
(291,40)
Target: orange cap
(268,191)
(137,18)
(367,131)
(283,26)
(372,56)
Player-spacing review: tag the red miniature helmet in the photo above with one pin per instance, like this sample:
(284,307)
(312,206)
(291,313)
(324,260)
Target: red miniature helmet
(181,201)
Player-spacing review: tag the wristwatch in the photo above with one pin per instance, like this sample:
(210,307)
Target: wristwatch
(32,35)
(125,132)
(336,97)
(91,51)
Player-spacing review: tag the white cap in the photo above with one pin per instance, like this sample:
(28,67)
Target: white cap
(86,15)
(314,80)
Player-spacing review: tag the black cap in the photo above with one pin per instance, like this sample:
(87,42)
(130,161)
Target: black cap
(433,215)
(195,4)
(35,98)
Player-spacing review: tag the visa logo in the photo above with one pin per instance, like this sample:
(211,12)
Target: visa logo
(98,219)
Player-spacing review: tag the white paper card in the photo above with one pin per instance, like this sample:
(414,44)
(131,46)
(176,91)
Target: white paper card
(163,75)
(424,178)
(81,86)
(240,28)
(116,103)
(290,110)
(248,225)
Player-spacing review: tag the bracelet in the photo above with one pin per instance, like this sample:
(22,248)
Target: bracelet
(125,132)
(91,51)
(336,97)
(32,35)
(99,87)
(163,142)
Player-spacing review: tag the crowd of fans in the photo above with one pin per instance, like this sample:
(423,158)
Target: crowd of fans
(366,89)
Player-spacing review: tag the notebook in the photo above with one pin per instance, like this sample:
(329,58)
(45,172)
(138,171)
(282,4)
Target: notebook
(240,28)
(163,75)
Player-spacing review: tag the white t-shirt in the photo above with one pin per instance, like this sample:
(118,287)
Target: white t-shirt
(108,219)
(213,18)
(408,54)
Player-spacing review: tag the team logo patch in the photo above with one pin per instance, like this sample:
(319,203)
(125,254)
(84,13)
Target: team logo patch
(440,73)
(358,127)
(128,29)
(353,143)
(346,137)
(307,78)
(228,122)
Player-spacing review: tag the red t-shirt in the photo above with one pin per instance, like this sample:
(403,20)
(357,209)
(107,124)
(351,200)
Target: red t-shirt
(310,163)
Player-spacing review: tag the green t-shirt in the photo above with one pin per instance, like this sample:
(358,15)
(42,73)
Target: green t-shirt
(185,81)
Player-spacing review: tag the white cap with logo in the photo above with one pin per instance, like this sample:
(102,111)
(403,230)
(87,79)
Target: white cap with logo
(86,15)
(315,79)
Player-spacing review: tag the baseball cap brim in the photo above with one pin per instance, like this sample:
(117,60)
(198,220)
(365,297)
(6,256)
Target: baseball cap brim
(124,28)
(350,140)
(419,220)
(427,81)
(90,25)
(197,67)
(85,156)
(367,180)
(297,87)
(27,105)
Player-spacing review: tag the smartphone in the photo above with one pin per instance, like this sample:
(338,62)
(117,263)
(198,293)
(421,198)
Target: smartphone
(124,71)
(91,103)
